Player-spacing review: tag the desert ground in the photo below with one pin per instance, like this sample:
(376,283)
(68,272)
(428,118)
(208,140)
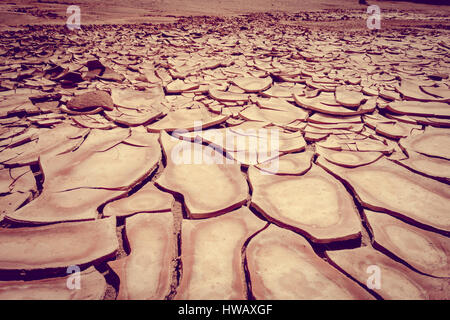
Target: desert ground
(225,150)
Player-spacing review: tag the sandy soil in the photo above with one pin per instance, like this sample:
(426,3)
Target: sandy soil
(394,14)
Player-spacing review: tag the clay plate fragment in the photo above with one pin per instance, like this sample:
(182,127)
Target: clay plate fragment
(147,199)
(386,186)
(186,119)
(96,166)
(314,204)
(349,159)
(146,272)
(211,255)
(91,100)
(73,205)
(283,266)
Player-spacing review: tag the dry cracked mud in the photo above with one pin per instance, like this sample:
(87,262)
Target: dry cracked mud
(115,158)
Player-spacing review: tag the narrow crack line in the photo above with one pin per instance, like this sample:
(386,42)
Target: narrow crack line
(244,264)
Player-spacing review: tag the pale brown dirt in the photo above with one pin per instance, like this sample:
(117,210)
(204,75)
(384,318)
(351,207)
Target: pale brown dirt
(318,16)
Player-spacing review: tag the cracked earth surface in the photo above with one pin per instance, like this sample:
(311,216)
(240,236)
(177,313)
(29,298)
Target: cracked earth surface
(90,122)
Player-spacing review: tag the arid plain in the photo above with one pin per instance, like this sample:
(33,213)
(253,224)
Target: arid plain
(222,150)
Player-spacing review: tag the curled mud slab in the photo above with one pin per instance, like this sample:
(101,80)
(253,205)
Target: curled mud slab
(57,246)
(225,157)
(315,104)
(51,143)
(146,273)
(138,100)
(348,98)
(429,143)
(348,159)
(426,251)
(430,109)
(92,286)
(386,186)
(226,96)
(91,101)
(11,202)
(73,205)
(193,181)
(282,265)
(185,120)
(396,281)
(123,166)
(313,204)
(289,164)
